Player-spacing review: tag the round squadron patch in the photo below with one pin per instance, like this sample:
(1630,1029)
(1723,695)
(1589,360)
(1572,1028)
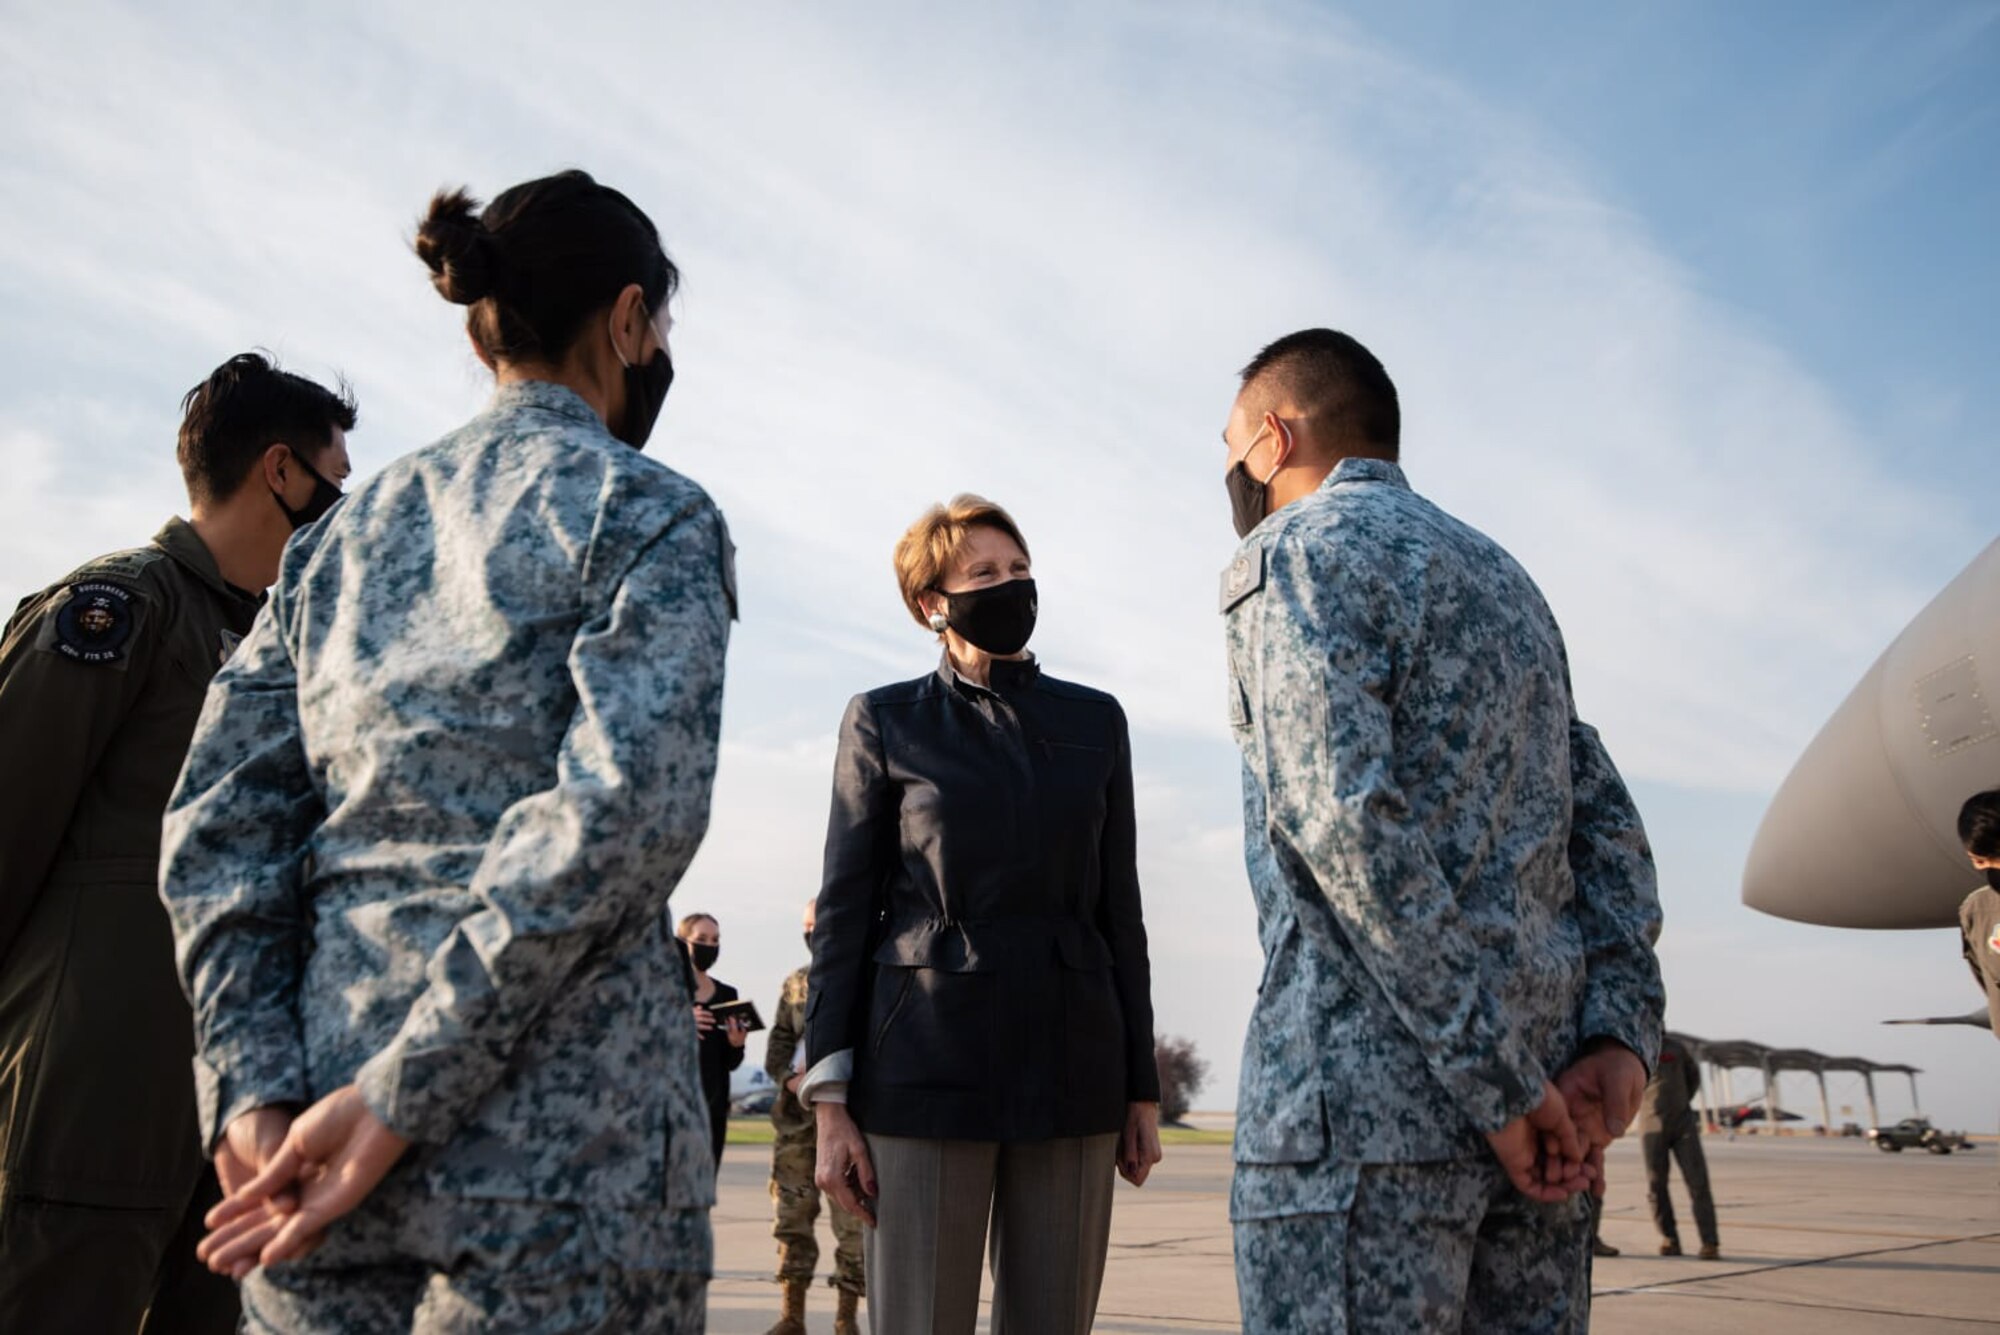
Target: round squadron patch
(95,624)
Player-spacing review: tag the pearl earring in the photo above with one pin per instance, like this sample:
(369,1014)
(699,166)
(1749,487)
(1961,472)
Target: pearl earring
(938,623)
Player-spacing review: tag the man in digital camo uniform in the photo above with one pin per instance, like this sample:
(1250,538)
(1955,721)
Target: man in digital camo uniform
(1455,896)
(795,1201)
(101,677)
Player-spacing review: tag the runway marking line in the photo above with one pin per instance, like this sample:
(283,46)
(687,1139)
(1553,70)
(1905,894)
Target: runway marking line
(1713,1276)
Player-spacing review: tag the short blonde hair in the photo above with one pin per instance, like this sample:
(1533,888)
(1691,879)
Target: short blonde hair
(932,544)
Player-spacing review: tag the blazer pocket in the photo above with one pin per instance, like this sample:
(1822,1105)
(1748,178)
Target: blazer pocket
(931,1029)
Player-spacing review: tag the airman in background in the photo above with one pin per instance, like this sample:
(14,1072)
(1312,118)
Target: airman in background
(1979,915)
(1668,1124)
(795,1201)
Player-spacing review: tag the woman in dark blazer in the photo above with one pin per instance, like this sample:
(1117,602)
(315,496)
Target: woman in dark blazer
(979,1014)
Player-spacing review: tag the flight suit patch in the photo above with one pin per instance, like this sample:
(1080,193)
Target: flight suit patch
(94,624)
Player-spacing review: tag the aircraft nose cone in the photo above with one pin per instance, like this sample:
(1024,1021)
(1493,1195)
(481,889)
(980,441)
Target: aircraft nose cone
(1863,831)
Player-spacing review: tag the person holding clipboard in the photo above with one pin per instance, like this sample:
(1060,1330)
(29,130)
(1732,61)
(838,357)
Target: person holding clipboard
(721,1020)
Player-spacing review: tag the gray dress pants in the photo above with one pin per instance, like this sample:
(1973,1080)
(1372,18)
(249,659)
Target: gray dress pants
(1049,1206)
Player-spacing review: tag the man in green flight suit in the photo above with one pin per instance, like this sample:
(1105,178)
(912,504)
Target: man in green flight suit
(102,1175)
(1979,915)
(1669,1125)
(794,1198)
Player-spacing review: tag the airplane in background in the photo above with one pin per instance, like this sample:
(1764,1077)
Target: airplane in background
(1864,830)
(1978,1019)
(750,1090)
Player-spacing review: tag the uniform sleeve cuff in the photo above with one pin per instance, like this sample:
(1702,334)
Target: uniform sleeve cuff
(382,1088)
(222,1098)
(1495,1096)
(1643,1038)
(828,1079)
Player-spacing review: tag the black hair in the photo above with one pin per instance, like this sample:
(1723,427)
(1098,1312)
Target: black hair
(539,259)
(246,406)
(1979,824)
(1338,383)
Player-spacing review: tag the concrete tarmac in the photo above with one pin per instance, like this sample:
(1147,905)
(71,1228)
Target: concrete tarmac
(1824,1236)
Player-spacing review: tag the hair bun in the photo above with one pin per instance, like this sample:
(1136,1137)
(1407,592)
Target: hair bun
(453,241)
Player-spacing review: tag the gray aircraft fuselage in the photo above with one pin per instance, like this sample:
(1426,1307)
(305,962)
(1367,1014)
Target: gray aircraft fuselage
(1863,831)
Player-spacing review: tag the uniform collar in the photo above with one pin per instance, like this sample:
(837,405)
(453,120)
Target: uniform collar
(547,396)
(1006,674)
(179,541)
(1366,470)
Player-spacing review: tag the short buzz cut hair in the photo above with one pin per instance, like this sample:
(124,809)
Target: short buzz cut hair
(1337,383)
(247,405)
(1979,824)
(926,551)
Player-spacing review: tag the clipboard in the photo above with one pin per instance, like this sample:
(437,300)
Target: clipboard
(746,1009)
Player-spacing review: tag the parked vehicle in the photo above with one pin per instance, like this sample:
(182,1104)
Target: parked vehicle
(1916,1133)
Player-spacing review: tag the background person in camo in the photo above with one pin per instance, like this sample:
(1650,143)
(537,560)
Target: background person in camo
(103,1180)
(1454,893)
(420,857)
(795,1201)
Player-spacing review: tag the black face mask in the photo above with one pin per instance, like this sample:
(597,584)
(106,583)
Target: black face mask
(1248,499)
(646,389)
(809,941)
(322,499)
(998,618)
(704,957)
(1993,877)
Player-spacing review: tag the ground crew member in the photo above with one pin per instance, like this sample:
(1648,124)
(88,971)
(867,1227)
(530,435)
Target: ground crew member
(420,857)
(1979,915)
(1455,896)
(1668,1124)
(101,677)
(794,1152)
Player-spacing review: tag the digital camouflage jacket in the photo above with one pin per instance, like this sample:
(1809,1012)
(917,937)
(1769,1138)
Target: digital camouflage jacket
(1453,887)
(436,803)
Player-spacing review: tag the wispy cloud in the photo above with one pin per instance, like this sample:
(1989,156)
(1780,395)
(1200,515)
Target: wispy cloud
(1012,250)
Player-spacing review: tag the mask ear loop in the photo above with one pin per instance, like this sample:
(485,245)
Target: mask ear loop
(1285,435)
(653,320)
(611,330)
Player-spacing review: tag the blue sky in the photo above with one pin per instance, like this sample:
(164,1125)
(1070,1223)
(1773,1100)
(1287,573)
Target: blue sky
(1689,305)
(1826,169)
